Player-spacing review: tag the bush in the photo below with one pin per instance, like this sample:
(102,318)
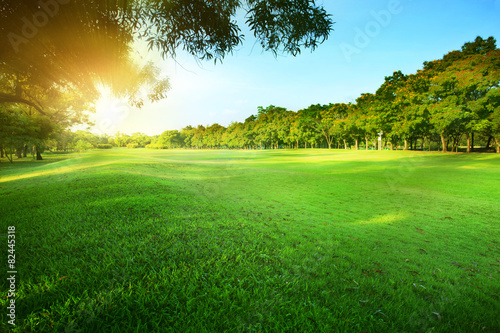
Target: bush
(83,145)
(132,145)
(104,146)
(156,146)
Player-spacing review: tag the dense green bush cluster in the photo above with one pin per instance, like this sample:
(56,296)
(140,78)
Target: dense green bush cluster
(156,146)
(104,146)
(132,145)
(82,145)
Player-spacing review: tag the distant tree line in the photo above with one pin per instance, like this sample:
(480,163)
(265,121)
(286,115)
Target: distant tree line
(450,102)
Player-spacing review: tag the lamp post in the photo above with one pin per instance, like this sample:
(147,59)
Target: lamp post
(380,140)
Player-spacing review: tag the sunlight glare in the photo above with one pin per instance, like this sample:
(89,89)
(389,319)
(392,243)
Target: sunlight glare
(111,111)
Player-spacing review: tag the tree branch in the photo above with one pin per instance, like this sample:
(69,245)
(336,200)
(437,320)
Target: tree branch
(6,98)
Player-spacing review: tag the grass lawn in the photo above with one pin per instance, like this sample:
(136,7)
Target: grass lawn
(253,241)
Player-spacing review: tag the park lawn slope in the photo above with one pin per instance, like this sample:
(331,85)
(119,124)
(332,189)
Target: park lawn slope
(249,241)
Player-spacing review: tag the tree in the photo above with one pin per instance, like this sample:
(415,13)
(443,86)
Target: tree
(366,117)
(20,131)
(386,111)
(82,145)
(187,133)
(352,126)
(285,125)
(267,125)
(121,139)
(468,84)
(233,136)
(213,135)
(336,117)
(11,135)
(197,139)
(461,92)
(140,138)
(494,116)
(249,140)
(64,140)
(61,107)
(319,118)
(170,139)
(410,110)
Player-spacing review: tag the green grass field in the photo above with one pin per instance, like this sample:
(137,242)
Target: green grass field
(253,241)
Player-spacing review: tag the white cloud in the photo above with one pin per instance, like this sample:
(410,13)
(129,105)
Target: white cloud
(241,102)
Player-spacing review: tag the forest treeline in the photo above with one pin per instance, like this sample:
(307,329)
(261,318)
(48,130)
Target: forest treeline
(450,102)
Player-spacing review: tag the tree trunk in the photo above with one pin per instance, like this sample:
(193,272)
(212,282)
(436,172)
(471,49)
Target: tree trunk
(329,145)
(305,144)
(489,142)
(455,145)
(472,142)
(444,143)
(392,145)
(498,145)
(406,145)
(297,144)
(356,144)
(25,151)
(1,151)
(468,143)
(366,147)
(38,154)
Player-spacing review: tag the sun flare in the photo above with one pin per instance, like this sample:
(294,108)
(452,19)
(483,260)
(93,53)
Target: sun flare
(111,111)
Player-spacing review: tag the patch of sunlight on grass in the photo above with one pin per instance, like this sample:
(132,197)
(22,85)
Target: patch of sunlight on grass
(386,218)
(470,167)
(54,171)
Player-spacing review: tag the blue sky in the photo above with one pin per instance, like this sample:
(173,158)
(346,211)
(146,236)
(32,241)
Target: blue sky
(371,40)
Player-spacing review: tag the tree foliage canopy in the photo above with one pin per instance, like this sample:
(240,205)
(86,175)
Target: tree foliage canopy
(61,41)
(55,53)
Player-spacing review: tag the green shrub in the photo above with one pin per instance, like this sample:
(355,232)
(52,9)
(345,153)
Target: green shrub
(104,146)
(83,145)
(156,146)
(133,145)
